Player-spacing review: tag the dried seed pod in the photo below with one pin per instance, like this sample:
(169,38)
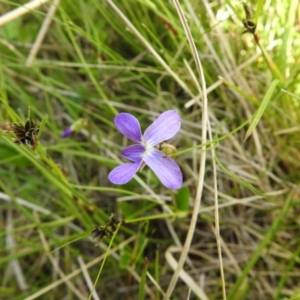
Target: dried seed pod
(26,134)
(248,22)
(99,232)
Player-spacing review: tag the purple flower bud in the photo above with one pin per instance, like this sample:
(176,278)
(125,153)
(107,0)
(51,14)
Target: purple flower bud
(67,132)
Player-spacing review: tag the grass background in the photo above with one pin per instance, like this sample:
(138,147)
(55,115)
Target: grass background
(238,151)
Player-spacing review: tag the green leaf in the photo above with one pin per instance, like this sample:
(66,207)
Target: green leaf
(295,296)
(125,260)
(42,125)
(182,198)
(12,29)
(126,209)
(9,155)
(8,292)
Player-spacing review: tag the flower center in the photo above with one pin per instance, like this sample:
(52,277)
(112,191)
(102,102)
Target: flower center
(148,148)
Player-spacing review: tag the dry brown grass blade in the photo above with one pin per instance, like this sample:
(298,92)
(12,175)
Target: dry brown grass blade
(42,33)
(22,10)
(205,120)
(55,265)
(11,245)
(184,276)
(87,278)
(150,48)
(79,270)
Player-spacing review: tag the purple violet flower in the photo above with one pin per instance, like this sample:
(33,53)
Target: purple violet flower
(162,129)
(67,132)
(75,127)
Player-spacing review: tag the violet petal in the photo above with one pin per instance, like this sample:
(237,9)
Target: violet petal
(133,152)
(67,132)
(129,126)
(163,128)
(165,168)
(123,173)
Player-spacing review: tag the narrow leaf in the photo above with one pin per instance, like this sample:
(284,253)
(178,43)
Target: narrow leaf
(42,125)
(143,280)
(182,198)
(258,10)
(261,109)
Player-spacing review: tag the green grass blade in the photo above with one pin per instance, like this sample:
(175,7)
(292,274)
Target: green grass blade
(258,10)
(261,109)
(143,280)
